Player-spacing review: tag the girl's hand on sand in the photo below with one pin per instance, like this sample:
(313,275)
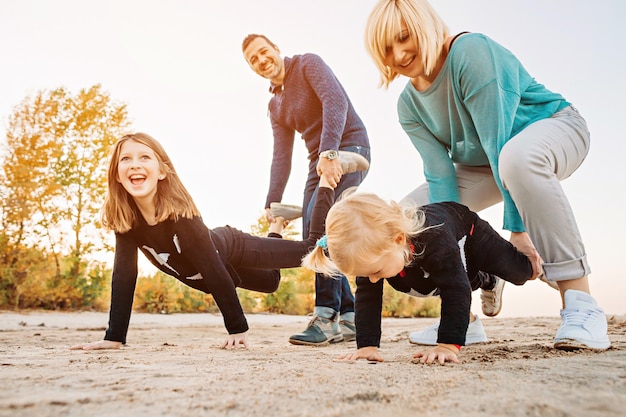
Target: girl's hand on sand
(369,353)
(100,344)
(235,341)
(439,354)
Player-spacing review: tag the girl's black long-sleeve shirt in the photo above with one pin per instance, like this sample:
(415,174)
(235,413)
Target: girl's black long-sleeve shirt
(204,259)
(183,249)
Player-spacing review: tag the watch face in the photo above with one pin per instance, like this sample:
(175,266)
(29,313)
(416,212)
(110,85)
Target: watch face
(332,154)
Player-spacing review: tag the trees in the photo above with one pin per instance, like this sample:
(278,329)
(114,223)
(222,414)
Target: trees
(53,181)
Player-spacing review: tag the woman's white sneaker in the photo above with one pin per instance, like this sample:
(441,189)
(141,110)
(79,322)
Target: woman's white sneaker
(583,324)
(428,336)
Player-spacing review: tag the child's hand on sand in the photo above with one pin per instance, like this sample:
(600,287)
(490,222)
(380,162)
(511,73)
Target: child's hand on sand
(369,353)
(100,344)
(235,341)
(441,353)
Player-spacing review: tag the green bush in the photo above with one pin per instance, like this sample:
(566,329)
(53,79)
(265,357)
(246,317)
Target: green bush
(163,294)
(295,295)
(399,304)
(39,287)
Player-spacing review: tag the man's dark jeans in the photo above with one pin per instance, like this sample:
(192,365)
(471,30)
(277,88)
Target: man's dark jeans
(331,292)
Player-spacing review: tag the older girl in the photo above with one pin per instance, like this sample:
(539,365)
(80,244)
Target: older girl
(149,209)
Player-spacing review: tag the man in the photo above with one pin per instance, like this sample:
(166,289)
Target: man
(308,98)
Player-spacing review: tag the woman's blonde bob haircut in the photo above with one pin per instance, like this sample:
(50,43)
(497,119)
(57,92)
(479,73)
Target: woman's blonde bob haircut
(360,229)
(172,200)
(425,27)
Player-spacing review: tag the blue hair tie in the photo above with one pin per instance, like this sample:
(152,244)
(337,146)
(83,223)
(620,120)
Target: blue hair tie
(322,242)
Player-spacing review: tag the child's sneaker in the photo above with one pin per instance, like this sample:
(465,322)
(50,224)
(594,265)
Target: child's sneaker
(428,336)
(286,211)
(491,300)
(352,162)
(320,331)
(584,324)
(348,330)
(552,284)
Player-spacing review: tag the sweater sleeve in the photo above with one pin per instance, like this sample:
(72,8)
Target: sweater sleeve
(456,298)
(123,281)
(441,259)
(368,304)
(281,162)
(198,247)
(488,77)
(438,167)
(333,98)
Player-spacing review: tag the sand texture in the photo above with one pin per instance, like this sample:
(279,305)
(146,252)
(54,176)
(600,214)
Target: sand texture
(172,366)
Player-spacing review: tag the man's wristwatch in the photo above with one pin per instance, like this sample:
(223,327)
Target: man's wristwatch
(330,154)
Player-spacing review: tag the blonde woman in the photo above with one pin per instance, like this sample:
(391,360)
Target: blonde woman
(487,132)
(439,249)
(150,210)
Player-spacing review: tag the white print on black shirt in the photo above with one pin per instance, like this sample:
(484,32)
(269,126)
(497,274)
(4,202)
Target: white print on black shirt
(462,250)
(161,258)
(415,293)
(434,292)
(177,244)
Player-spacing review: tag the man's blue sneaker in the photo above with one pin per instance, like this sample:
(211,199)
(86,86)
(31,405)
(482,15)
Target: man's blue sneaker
(348,330)
(320,331)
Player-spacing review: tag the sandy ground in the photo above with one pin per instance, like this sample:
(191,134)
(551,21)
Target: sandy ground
(172,366)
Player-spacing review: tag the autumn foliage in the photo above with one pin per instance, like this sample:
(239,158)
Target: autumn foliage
(54,254)
(52,184)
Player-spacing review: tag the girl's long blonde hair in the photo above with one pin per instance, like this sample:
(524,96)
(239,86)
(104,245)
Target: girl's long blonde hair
(360,229)
(172,200)
(384,24)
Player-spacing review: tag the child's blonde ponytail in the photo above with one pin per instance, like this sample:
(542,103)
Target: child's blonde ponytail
(317,260)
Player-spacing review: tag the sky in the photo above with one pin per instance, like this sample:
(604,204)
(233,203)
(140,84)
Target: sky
(178,66)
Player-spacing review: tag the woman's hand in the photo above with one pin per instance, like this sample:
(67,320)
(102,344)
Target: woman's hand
(441,353)
(521,240)
(369,353)
(235,341)
(100,344)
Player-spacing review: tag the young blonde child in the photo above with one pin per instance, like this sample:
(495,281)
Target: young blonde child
(439,249)
(150,210)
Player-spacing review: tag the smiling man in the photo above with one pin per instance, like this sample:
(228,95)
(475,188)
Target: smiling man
(308,98)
